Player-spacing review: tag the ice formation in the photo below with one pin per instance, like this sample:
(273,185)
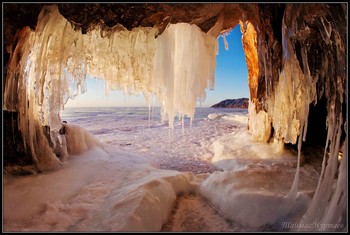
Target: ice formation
(289,107)
(79,140)
(249,208)
(50,65)
(259,123)
(184,67)
(97,191)
(225,41)
(287,111)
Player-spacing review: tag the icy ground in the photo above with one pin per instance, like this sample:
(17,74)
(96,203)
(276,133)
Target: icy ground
(210,177)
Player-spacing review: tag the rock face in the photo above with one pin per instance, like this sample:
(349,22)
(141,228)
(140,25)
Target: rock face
(12,142)
(233,103)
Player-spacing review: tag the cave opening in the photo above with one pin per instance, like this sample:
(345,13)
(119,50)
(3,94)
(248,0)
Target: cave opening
(231,81)
(317,131)
(231,73)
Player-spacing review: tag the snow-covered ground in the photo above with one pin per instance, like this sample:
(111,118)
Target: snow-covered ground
(208,176)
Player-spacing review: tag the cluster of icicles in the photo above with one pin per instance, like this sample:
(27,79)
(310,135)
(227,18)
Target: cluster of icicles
(288,110)
(55,61)
(50,65)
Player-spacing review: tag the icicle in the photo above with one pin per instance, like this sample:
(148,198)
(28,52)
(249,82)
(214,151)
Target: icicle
(225,42)
(294,189)
(149,116)
(176,67)
(324,193)
(294,93)
(338,202)
(152,110)
(285,41)
(183,124)
(305,124)
(191,120)
(54,62)
(326,33)
(182,51)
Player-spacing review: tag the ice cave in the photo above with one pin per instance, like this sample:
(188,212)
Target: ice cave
(296,57)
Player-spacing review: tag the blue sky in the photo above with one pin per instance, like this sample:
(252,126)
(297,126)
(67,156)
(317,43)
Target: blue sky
(231,80)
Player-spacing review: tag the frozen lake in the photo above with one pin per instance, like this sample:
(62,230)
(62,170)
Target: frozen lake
(208,175)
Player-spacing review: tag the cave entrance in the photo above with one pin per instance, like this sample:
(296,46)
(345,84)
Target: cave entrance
(231,69)
(231,77)
(231,82)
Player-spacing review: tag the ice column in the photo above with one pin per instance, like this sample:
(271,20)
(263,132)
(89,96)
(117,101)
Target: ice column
(37,64)
(184,67)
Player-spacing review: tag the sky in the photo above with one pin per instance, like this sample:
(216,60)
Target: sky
(231,81)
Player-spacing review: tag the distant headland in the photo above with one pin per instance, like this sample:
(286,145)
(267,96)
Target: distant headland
(241,103)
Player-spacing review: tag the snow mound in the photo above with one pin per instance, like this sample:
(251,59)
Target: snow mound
(231,117)
(214,116)
(79,140)
(97,190)
(143,207)
(248,207)
(238,118)
(236,150)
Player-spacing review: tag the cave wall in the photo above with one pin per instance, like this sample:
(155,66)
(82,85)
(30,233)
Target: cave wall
(249,42)
(316,35)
